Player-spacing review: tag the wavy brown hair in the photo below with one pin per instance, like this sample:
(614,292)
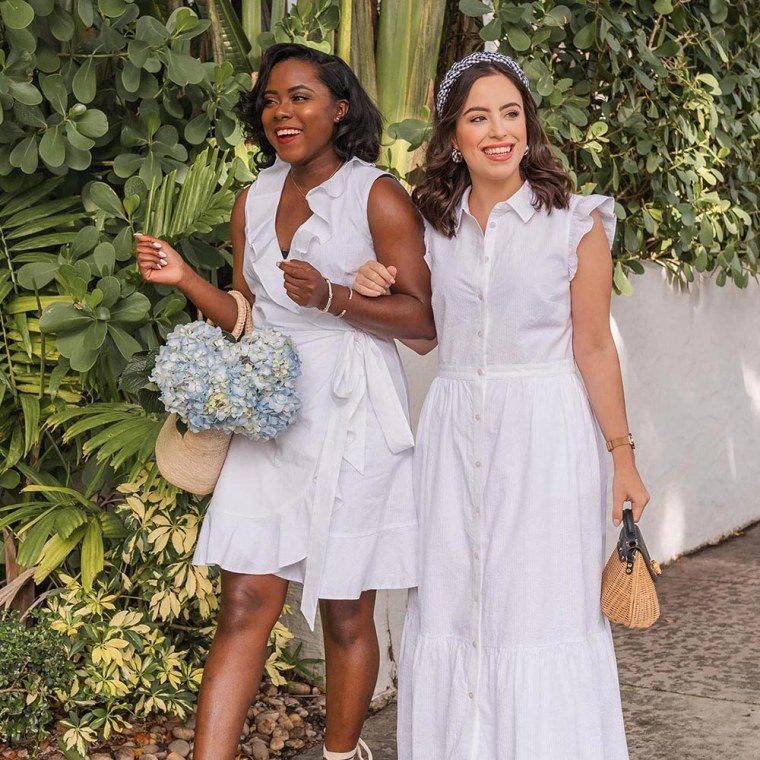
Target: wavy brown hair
(443,183)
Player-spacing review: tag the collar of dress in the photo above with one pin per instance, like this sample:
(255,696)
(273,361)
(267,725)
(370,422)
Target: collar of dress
(521,203)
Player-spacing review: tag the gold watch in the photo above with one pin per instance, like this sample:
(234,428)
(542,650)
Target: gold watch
(626,440)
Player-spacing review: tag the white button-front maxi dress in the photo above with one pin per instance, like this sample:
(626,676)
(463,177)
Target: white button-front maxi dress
(506,654)
(329,503)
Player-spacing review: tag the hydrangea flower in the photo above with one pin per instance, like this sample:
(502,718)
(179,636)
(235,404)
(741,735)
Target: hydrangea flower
(246,387)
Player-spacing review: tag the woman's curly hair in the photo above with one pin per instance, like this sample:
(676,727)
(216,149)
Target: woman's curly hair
(443,183)
(358,134)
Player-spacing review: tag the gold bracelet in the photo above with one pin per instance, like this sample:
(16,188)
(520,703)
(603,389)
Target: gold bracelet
(329,297)
(350,296)
(626,440)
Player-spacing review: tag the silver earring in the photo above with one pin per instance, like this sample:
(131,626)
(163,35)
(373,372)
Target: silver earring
(456,155)
(525,152)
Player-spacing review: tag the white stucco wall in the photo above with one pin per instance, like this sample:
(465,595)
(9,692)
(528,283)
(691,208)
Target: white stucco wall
(691,368)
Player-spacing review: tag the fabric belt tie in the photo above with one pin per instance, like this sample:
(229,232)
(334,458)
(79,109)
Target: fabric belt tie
(361,376)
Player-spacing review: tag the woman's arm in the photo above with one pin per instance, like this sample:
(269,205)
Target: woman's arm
(397,235)
(373,279)
(597,360)
(171,269)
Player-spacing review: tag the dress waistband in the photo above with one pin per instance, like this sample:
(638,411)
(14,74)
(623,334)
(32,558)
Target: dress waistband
(498,371)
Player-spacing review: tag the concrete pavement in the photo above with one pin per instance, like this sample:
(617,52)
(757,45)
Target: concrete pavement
(691,684)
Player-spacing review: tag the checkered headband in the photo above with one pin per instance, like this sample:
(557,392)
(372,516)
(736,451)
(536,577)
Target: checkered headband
(460,66)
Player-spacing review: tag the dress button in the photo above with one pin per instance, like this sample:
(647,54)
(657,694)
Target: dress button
(492,225)
(480,296)
(488,258)
(475,644)
(480,371)
(476,555)
(478,464)
(477,417)
(480,333)
(471,695)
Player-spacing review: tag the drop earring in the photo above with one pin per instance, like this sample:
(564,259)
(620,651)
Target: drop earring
(525,152)
(456,155)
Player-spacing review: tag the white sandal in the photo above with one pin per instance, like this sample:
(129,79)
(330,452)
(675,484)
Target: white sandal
(355,754)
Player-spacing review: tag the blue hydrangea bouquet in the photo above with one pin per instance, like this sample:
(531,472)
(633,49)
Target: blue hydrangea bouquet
(211,383)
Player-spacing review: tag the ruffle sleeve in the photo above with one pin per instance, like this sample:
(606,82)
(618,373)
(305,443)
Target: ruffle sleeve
(582,222)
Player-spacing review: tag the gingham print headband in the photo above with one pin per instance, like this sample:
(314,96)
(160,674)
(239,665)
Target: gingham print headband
(460,66)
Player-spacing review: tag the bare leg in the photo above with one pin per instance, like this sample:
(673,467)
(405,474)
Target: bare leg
(352,658)
(251,605)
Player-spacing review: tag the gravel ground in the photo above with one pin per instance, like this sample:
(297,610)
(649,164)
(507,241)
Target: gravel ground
(280,724)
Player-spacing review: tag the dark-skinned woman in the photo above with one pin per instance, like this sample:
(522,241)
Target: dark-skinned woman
(329,503)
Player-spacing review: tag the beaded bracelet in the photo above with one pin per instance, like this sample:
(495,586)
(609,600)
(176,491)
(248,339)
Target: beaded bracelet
(350,296)
(329,297)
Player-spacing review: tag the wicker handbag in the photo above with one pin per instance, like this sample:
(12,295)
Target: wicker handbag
(629,596)
(193,461)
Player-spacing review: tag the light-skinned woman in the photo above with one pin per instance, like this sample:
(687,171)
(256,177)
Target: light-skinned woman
(506,653)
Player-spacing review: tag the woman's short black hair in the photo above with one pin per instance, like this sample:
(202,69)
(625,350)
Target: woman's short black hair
(357,134)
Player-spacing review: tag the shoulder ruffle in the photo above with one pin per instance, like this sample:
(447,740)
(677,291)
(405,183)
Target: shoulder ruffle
(581,223)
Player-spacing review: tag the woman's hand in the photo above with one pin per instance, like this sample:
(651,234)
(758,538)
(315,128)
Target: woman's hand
(628,486)
(157,261)
(374,279)
(304,284)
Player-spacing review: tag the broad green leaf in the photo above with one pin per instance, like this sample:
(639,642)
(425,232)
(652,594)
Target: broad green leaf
(25,155)
(184,69)
(474,8)
(663,6)
(92,123)
(61,24)
(104,197)
(54,89)
(126,344)
(132,310)
(85,83)
(16,14)
(584,39)
(36,275)
(25,92)
(104,256)
(63,317)
(52,147)
(518,39)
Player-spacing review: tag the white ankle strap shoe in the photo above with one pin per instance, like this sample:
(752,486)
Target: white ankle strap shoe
(356,754)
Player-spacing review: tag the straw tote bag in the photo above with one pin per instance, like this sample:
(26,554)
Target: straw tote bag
(193,461)
(629,596)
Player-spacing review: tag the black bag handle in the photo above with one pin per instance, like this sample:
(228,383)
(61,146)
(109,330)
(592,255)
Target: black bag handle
(630,542)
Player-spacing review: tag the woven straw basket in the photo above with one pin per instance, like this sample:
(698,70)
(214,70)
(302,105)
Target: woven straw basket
(629,599)
(194,461)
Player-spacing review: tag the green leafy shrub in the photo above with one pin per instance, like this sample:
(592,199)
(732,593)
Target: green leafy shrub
(654,102)
(35,672)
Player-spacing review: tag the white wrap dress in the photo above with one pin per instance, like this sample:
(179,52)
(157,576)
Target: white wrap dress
(329,503)
(506,654)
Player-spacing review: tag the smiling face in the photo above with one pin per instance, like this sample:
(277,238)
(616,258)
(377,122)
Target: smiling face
(300,112)
(491,131)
